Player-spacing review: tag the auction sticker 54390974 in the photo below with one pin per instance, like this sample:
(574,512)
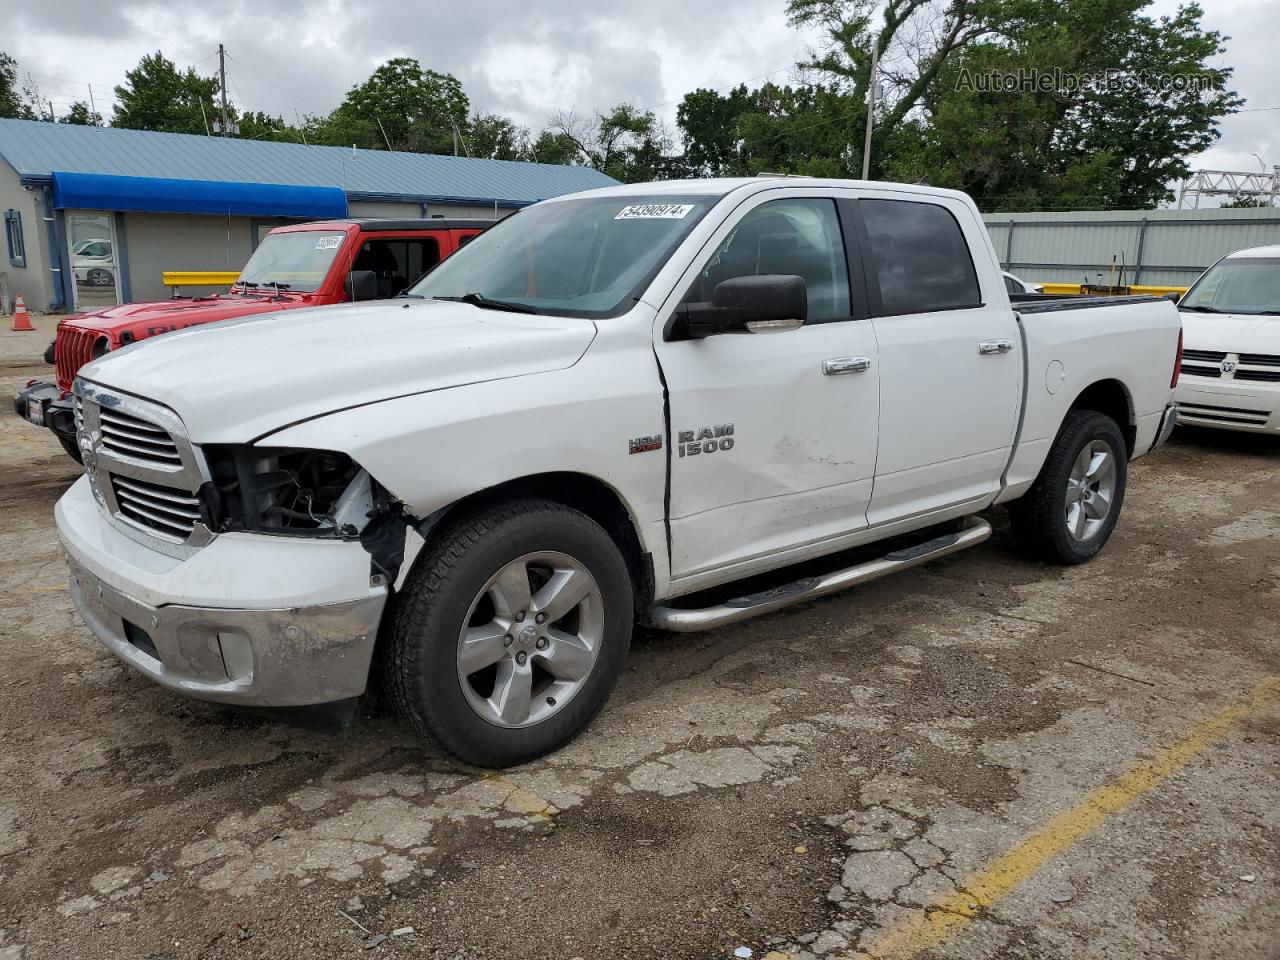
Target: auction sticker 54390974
(654,211)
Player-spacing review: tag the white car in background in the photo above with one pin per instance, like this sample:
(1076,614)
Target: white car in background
(1018,285)
(93,262)
(1231,360)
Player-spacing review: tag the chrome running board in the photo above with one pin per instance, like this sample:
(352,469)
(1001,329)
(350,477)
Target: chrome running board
(973,532)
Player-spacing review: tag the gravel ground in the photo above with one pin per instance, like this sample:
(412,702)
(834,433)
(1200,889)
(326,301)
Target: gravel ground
(798,785)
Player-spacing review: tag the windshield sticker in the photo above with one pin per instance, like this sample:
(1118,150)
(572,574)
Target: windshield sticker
(655,211)
(329,243)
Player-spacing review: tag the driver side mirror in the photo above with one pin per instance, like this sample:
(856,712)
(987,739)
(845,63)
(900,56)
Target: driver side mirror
(1173,296)
(770,303)
(361,285)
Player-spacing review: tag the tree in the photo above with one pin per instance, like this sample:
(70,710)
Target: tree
(1243,202)
(80,115)
(914,40)
(261,126)
(553,147)
(783,129)
(12,103)
(157,96)
(1096,104)
(1109,131)
(496,137)
(400,106)
(626,143)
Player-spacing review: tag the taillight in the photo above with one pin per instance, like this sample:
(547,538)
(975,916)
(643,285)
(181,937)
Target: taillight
(1177,363)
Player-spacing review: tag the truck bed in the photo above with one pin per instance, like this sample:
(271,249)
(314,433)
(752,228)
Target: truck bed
(1039,303)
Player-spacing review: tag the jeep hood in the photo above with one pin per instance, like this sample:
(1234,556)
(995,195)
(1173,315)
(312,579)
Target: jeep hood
(241,379)
(165,315)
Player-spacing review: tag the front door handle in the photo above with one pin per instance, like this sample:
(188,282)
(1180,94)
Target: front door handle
(989,347)
(842,365)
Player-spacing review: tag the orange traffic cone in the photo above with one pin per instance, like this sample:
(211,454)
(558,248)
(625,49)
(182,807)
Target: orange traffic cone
(21,322)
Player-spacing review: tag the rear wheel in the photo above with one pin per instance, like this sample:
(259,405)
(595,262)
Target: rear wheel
(510,633)
(1068,514)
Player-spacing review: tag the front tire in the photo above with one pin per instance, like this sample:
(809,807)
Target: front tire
(1069,513)
(510,632)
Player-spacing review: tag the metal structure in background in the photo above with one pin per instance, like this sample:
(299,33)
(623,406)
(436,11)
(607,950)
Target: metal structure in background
(1263,187)
(1157,247)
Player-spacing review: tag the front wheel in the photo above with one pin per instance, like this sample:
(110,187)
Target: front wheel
(1068,514)
(510,632)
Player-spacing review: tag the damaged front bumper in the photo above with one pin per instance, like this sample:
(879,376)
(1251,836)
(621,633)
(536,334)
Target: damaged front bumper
(249,619)
(47,405)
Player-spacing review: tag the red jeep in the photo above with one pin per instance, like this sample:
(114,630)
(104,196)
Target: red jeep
(308,265)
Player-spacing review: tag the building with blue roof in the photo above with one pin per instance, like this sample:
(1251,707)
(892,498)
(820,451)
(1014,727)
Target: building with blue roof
(94,215)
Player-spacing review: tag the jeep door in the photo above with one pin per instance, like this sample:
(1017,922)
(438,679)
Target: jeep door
(773,435)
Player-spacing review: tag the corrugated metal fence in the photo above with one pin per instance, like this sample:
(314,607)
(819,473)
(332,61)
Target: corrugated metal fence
(1165,247)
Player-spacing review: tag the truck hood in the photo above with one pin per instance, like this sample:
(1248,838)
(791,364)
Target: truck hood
(242,379)
(150,319)
(1231,332)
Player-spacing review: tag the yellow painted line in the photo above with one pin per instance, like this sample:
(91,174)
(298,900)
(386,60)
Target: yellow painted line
(946,917)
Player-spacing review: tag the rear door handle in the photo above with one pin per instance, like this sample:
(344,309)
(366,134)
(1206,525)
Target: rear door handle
(989,347)
(838,366)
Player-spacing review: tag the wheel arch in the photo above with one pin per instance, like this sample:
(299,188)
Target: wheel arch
(1111,398)
(580,491)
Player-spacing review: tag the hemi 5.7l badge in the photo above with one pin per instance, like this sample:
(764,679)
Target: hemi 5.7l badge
(645,444)
(691,443)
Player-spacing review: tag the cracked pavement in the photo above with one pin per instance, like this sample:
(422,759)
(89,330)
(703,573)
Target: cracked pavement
(799,784)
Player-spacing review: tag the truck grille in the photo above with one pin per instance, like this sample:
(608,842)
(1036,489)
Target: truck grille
(142,467)
(1259,367)
(1254,367)
(72,349)
(129,436)
(166,509)
(1203,363)
(1215,414)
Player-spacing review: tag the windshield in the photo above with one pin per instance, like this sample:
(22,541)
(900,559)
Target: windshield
(1239,285)
(299,261)
(591,257)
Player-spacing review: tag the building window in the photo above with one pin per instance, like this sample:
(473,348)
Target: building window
(13,234)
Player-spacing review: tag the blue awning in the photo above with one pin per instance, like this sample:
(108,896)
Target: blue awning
(93,191)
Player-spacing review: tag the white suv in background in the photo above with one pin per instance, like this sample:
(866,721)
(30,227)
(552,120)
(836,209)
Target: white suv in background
(1231,362)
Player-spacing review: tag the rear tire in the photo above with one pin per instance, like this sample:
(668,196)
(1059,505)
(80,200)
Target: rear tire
(452,675)
(1069,513)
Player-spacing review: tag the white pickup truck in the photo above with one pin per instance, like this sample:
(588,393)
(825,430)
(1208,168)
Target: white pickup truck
(598,410)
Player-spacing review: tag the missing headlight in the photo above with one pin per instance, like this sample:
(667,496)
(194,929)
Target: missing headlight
(300,492)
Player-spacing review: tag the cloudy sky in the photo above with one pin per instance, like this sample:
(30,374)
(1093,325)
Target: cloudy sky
(526,60)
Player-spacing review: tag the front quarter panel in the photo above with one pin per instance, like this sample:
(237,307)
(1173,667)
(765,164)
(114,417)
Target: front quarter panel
(433,449)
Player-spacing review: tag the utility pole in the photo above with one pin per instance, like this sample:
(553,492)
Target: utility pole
(871,107)
(222,88)
(93,107)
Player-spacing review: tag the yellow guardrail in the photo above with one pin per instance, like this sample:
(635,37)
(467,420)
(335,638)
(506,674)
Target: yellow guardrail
(1065,289)
(200,278)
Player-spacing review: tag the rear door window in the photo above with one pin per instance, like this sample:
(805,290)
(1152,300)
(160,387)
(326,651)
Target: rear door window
(922,262)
